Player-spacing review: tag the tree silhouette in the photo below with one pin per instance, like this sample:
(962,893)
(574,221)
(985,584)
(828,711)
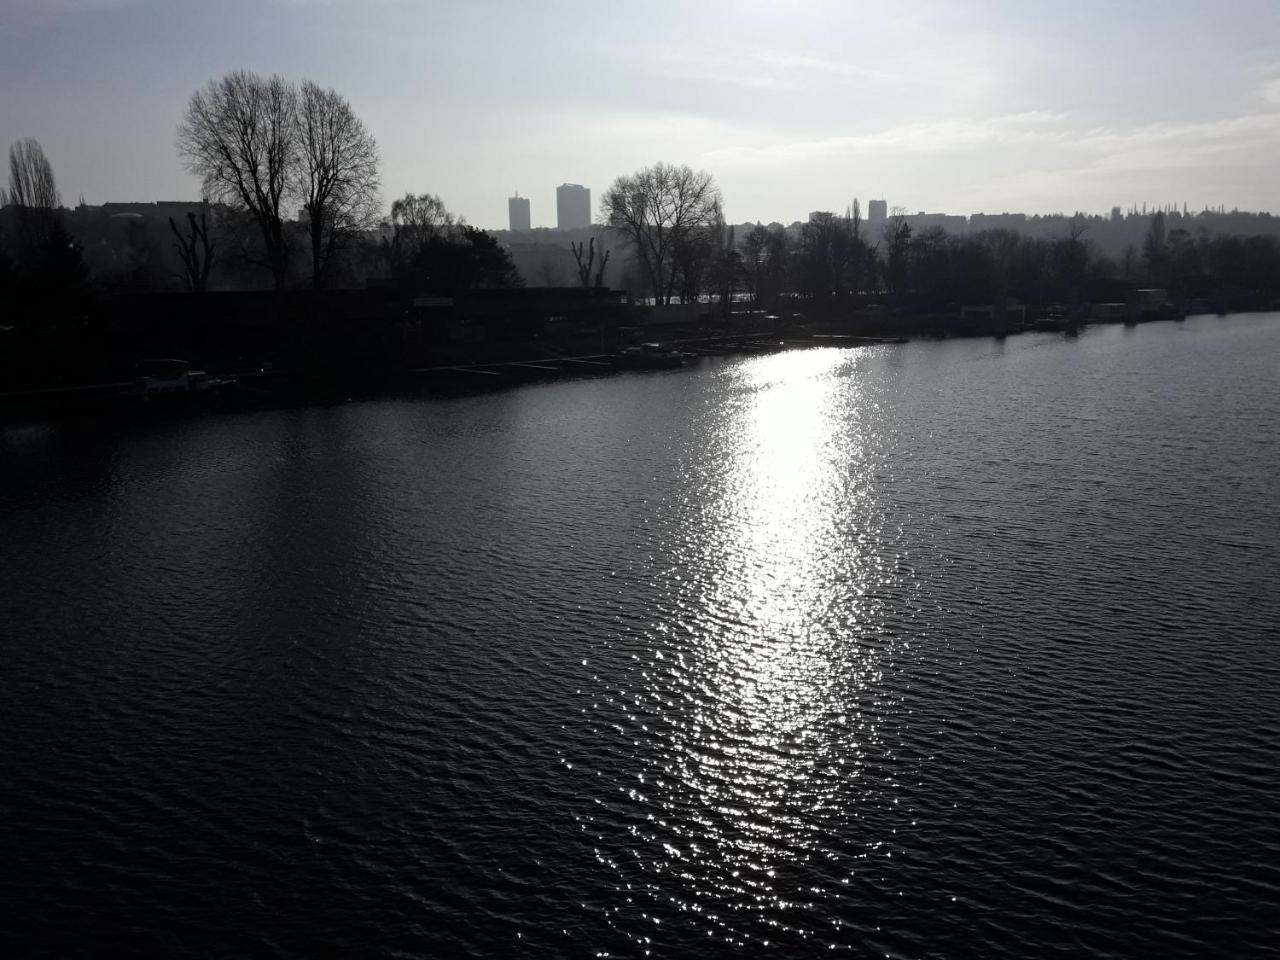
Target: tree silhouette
(659,211)
(1155,249)
(33,192)
(584,268)
(195,249)
(897,239)
(431,252)
(240,136)
(337,175)
(417,220)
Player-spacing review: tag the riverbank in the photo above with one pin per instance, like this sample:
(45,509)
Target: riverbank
(283,351)
(253,388)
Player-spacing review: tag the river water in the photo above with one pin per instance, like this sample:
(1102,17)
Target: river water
(941,649)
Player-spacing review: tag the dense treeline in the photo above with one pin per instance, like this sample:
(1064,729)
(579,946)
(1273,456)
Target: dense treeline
(835,263)
(670,220)
(257,144)
(61,319)
(430,251)
(42,271)
(262,144)
(665,222)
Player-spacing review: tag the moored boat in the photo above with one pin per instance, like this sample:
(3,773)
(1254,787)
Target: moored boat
(1152,303)
(169,383)
(648,356)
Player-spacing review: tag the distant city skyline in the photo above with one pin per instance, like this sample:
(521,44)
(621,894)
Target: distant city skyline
(960,107)
(874,212)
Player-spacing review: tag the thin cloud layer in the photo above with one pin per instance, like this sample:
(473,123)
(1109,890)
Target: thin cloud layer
(66,7)
(793,107)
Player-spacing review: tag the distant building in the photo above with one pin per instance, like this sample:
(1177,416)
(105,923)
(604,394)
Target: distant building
(1116,216)
(923,221)
(998,221)
(877,212)
(518,213)
(157,208)
(573,206)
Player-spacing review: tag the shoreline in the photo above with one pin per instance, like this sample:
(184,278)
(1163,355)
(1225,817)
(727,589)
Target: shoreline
(274,389)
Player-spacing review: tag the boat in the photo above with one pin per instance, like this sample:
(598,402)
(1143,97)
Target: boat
(1058,318)
(1108,312)
(649,356)
(1152,303)
(169,383)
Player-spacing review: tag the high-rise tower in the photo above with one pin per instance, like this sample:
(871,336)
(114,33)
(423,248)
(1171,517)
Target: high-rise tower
(573,206)
(518,213)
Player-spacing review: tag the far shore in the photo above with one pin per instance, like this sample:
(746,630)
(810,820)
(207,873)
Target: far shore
(393,355)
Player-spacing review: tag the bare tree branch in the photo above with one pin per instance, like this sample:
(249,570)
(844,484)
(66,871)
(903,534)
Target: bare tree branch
(416,220)
(337,176)
(660,211)
(240,136)
(195,249)
(34,192)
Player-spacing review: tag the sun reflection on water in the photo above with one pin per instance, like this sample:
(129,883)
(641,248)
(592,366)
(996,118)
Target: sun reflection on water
(762,698)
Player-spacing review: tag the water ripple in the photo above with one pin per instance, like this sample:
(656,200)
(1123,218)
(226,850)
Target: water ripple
(925,650)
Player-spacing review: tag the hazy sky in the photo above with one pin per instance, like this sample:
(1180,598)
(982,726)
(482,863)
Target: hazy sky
(793,106)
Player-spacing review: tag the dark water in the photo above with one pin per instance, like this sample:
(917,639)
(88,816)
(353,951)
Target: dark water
(933,650)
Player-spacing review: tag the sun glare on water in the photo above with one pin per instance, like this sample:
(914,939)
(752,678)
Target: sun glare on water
(768,717)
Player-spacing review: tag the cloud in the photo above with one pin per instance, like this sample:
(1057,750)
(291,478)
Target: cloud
(1241,139)
(21,17)
(357,4)
(921,137)
(1230,141)
(792,64)
(68,7)
(754,68)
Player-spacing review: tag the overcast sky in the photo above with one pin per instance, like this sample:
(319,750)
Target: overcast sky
(793,105)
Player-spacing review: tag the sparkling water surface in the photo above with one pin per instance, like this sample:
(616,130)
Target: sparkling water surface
(940,649)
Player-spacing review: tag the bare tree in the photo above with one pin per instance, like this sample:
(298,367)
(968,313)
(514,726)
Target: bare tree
(897,240)
(1155,248)
(693,259)
(1005,247)
(31,180)
(240,136)
(195,249)
(659,211)
(337,175)
(753,257)
(726,265)
(1129,263)
(856,252)
(765,263)
(584,267)
(1072,256)
(416,220)
(33,191)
